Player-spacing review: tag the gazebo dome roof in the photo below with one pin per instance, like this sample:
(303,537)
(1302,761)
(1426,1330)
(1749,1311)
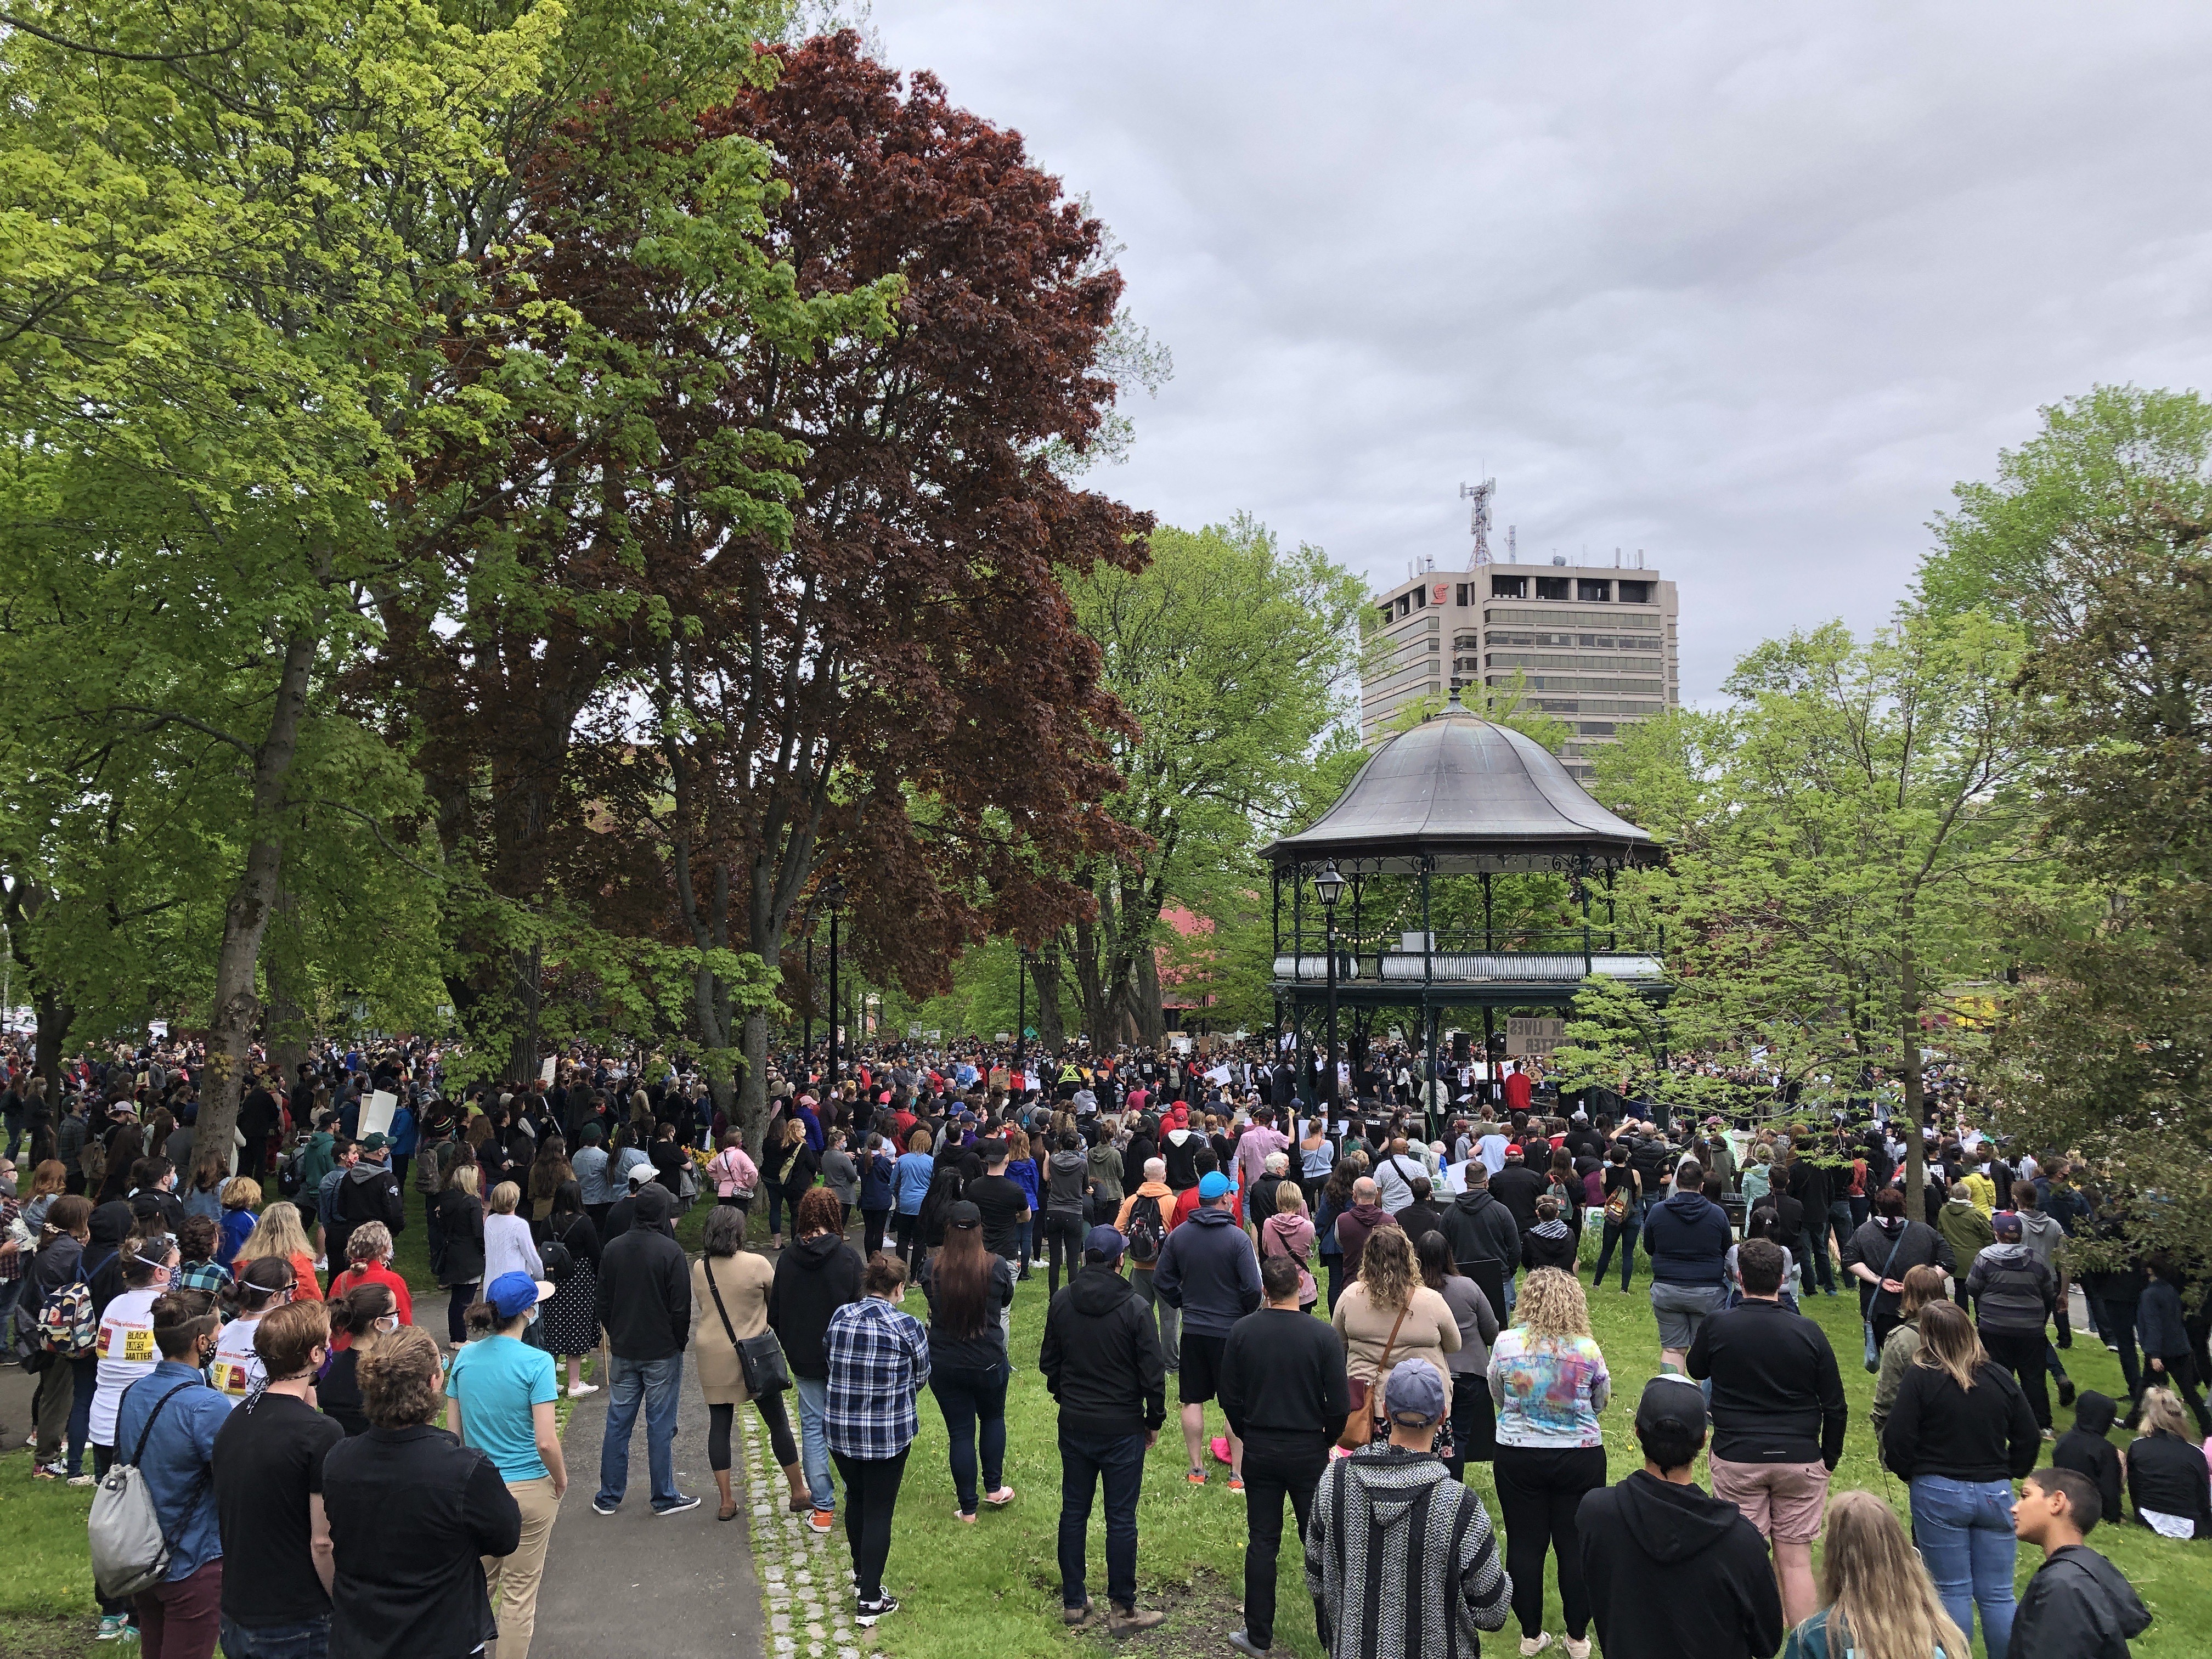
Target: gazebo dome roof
(1471,795)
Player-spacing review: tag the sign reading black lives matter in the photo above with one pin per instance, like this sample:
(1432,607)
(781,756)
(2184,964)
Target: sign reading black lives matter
(1524,1037)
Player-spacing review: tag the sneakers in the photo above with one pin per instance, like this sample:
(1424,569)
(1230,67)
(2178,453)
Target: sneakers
(1243,1642)
(870,1611)
(47,1472)
(1236,1483)
(1001,1499)
(113,1625)
(1577,1650)
(682,1503)
(1196,1476)
(578,1390)
(2050,1434)
(1533,1645)
(822,1520)
(600,1506)
(1127,1621)
(83,1480)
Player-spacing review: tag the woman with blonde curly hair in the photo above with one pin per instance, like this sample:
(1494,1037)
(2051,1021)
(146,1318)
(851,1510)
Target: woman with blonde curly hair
(1387,1297)
(1548,1383)
(281,1233)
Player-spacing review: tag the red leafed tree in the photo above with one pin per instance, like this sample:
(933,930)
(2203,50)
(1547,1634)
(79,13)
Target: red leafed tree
(897,691)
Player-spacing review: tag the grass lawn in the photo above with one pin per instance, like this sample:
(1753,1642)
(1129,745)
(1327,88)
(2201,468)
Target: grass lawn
(993,1588)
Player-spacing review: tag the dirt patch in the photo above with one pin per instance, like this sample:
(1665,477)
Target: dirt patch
(48,1639)
(1200,1616)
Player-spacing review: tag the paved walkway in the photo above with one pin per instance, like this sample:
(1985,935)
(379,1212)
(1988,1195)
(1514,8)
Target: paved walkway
(682,1586)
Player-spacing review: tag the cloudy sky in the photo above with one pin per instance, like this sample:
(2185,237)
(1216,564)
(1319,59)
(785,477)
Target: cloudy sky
(1746,288)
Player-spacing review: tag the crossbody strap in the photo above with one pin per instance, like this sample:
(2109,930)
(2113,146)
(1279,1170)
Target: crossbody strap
(1383,1363)
(715,1290)
(138,1452)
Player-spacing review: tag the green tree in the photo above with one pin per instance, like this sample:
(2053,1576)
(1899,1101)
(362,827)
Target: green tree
(1847,845)
(1235,657)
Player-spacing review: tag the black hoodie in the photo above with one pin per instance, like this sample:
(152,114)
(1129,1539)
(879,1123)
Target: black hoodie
(2077,1607)
(1101,1358)
(1481,1229)
(813,1279)
(2084,1448)
(1671,1572)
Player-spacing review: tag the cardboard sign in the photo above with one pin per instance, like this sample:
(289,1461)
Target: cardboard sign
(1524,1037)
(376,1114)
(548,1070)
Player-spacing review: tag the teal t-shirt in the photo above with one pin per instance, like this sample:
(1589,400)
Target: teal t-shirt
(497,1380)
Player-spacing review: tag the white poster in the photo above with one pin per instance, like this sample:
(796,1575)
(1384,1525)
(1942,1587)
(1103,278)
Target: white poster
(376,1115)
(548,1070)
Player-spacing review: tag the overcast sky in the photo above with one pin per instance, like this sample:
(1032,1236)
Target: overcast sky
(1746,288)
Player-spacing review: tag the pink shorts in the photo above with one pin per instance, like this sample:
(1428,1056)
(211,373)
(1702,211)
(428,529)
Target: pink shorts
(1784,1501)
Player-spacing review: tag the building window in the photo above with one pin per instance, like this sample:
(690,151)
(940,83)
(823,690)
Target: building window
(1596,728)
(1590,589)
(1555,587)
(1404,605)
(1421,597)
(1636,593)
(1508,587)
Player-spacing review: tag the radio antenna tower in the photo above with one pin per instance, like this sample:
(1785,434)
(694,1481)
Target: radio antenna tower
(1479,520)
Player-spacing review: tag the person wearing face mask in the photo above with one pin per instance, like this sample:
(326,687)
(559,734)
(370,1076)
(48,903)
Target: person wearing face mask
(361,1320)
(125,1351)
(499,1391)
(277,1597)
(266,1284)
(166,1422)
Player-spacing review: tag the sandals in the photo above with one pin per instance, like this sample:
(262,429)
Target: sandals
(727,1512)
(1001,1499)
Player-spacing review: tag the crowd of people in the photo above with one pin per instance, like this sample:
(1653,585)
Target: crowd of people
(1360,1310)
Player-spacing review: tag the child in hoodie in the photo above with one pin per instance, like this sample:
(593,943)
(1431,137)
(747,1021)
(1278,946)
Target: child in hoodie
(2084,1449)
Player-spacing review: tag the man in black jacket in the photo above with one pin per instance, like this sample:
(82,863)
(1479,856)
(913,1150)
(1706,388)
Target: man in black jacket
(1102,1362)
(1778,1417)
(1517,1188)
(1286,1392)
(644,1301)
(1483,1232)
(1669,1570)
(1809,1185)
(370,1192)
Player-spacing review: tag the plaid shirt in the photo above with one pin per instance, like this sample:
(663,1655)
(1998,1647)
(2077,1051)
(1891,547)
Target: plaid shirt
(202,1276)
(11,1265)
(878,1361)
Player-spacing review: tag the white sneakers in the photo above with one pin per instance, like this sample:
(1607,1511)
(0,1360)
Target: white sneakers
(1533,1645)
(578,1390)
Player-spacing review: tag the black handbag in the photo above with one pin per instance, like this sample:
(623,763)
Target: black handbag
(759,1358)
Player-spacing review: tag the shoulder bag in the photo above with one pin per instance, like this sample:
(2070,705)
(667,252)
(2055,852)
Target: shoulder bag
(1359,1426)
(760,1359)
(129,1550)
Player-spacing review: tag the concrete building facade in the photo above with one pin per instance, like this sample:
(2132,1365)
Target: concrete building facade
(1596,644)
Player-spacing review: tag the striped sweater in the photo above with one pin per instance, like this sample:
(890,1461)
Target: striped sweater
(1402,1556)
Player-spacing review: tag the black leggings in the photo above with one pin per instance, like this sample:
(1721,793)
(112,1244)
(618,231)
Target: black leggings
(872,1489)
(1538,1488)
(1063,1242)
(721,1418)
(457,1312)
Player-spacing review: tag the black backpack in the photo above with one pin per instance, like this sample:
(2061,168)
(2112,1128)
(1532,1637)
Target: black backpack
(1148,1229)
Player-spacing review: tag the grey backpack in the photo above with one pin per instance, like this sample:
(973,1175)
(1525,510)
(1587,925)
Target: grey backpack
(130,1551)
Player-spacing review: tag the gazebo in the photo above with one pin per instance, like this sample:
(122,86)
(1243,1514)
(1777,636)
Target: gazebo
(1455,798)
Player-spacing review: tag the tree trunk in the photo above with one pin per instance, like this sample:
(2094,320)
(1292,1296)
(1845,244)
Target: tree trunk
(1915,1147)
(55,1018)
(1052,1033)
(751,1086)
(1150,1018)
(236,1004)
(287,1021)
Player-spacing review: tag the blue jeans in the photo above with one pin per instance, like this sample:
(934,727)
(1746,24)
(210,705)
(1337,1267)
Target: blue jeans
(813,1393)
(1085,1460)
(657,1384)
(309,1639)
(973,1399)
(1964,1532)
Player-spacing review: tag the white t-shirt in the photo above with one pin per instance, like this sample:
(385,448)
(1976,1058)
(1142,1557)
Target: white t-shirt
(126,1353)
(236,1370)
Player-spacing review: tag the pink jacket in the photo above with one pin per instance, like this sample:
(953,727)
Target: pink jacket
(1292,1236)
(733,1172)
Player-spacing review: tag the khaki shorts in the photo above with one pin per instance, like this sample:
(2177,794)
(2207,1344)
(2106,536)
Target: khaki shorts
(1783,1500)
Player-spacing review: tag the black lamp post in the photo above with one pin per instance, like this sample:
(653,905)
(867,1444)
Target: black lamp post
(1021,1012)
(1327,885)
(833,899)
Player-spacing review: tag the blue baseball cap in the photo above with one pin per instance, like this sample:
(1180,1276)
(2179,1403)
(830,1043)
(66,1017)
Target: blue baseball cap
(513,1293)
(1213,1186)
(1104,1244)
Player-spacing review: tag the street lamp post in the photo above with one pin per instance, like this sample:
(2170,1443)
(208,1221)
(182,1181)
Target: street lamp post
(1021,1012)
(1327,885)
(833,899)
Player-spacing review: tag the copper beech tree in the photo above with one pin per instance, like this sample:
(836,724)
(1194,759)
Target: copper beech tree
(806,611)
